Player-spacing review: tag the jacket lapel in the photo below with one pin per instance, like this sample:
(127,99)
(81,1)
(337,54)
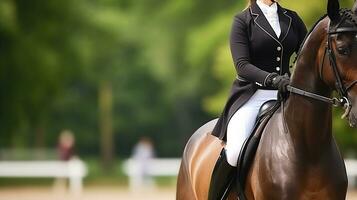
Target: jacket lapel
(285,22)
(261,21)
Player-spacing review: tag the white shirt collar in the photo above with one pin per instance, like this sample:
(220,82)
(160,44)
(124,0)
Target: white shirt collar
(267,9)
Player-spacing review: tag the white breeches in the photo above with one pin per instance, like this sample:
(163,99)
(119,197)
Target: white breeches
(242,122)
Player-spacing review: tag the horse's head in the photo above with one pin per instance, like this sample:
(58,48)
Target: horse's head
(342,54)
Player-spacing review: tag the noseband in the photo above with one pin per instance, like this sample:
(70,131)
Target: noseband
(342,100)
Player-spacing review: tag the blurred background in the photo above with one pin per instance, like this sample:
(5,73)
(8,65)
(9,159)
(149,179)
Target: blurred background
(98,82)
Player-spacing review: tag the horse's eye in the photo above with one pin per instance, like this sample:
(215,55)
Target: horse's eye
(344,51)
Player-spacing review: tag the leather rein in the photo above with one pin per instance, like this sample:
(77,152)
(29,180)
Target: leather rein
(342,100)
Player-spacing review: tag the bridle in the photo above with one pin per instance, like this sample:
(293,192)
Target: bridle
(342,100)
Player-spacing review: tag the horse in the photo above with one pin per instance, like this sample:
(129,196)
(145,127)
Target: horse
(297,157)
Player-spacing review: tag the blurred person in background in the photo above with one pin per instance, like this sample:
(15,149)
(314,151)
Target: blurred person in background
(143,151)
(65,150)
(263,38)
(65,146)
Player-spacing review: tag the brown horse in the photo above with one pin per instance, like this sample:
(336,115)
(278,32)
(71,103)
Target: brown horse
(297,157)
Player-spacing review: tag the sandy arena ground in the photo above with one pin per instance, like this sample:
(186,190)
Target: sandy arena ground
(96,193)
(89,193)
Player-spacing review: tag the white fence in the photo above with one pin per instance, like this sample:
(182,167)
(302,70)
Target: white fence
(170,167)
(75,170)
(140,172)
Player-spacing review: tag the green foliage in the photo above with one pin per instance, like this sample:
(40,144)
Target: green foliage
(168,62)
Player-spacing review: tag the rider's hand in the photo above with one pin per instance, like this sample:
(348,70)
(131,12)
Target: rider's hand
(278,82)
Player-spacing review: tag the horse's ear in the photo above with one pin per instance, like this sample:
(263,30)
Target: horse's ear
(333,8)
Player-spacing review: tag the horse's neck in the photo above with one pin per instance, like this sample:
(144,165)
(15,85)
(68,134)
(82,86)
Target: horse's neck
(309,120)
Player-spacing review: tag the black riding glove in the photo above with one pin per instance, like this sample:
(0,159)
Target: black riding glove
(278,82)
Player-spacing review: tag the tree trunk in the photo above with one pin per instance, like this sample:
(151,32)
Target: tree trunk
(105,123)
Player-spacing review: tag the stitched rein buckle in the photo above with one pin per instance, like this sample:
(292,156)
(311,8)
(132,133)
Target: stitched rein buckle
(347,106)
(337,102)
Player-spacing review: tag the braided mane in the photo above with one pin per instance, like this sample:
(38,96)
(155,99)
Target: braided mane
(347,14)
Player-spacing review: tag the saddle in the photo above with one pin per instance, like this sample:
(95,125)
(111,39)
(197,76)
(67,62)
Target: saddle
(247,153)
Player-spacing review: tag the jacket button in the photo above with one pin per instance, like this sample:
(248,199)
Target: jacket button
(278,48)
(277,69)
(277,58)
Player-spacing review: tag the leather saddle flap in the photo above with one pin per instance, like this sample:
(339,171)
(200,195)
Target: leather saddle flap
(250,146)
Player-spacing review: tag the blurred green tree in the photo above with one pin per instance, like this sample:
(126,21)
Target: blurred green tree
(166,63)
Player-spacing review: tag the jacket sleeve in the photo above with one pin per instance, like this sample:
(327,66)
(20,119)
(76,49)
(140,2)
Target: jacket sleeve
(302,31)
(239,44)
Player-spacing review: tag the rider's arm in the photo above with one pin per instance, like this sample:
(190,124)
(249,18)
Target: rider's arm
(239,44)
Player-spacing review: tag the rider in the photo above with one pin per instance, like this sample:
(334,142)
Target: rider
(263,38)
